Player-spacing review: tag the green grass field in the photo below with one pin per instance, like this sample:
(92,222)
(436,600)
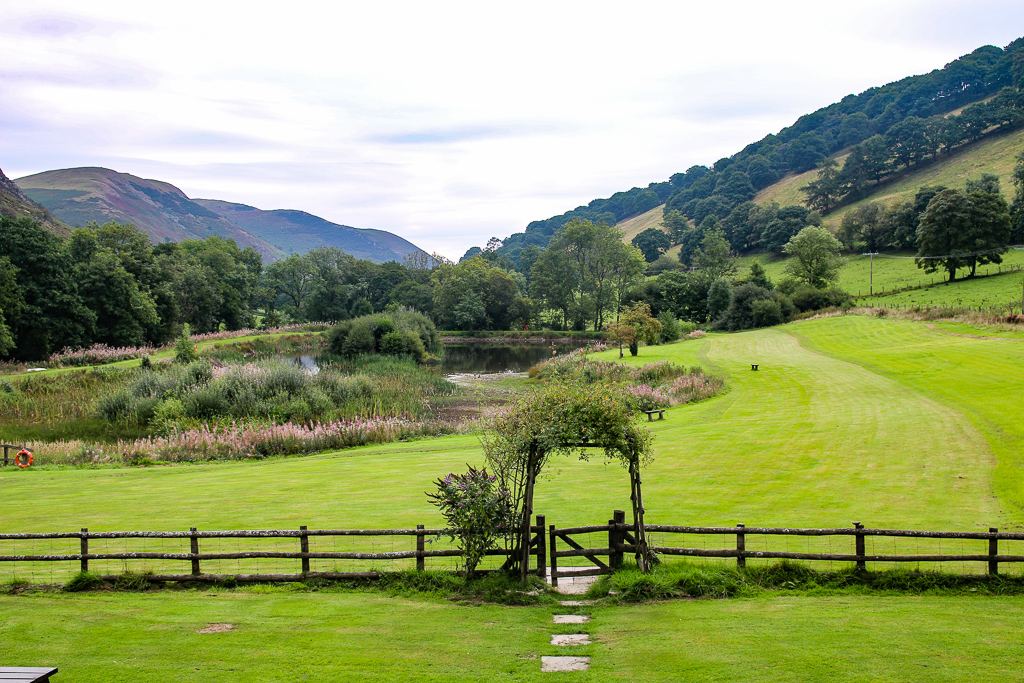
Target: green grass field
(825,432)
(889,274)
(891,422)
(282,636)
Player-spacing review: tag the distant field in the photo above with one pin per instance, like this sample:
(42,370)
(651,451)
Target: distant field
(896,273)
(631,227)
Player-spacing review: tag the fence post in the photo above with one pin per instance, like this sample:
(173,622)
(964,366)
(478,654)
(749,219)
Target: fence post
(993,550)
(304,548)
(741,547)
(861,565)
(195,552)
(85,548)
(615,539)
(554,558)
(420,547)
(542,560)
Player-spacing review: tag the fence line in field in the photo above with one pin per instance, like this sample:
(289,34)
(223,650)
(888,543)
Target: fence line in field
(551,546)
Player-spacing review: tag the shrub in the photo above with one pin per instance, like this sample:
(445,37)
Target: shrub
(810,299)
(184,347)
(670,330)
(398,333)
(477,512)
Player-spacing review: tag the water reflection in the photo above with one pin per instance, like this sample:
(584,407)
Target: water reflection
(475,357)
(308,363)
(486,357)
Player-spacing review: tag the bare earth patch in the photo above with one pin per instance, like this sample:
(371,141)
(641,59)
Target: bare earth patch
(216,628)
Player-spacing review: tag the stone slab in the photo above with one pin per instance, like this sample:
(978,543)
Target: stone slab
(576,603)
(571,639)
(570,619)
(554,664)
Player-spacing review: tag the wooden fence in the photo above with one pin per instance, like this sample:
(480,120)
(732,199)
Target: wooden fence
(196,557)
(621,543)
(550,547)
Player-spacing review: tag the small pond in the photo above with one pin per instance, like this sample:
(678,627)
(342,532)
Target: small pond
(487,357)
(477,357)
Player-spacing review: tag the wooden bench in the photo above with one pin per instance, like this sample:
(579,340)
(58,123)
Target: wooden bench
(26,674)
(753,366)
(650,414)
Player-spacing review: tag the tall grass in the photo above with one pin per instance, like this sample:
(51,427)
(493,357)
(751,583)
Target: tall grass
(214,410)
(718,580)
(274,391)
(239,441)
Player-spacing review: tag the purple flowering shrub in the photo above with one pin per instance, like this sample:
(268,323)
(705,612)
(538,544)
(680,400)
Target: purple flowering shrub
(476,511)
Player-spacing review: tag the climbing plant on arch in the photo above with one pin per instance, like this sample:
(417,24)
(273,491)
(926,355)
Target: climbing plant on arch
(565,419)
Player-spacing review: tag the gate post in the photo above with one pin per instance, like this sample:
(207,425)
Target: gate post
(542,560)
(554,558)
(615,539)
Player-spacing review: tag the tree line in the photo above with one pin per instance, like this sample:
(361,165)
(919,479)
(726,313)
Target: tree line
(109,284)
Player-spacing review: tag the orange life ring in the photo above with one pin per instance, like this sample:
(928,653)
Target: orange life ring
(27,455)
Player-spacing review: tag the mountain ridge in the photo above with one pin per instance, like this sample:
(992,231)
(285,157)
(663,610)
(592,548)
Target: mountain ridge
(165,213)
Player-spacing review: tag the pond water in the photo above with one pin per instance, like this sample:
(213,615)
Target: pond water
(487,357)
(477,357)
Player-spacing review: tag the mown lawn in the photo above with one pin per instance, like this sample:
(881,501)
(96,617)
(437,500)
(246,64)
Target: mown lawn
(891,422)
(885,421)
(282,636)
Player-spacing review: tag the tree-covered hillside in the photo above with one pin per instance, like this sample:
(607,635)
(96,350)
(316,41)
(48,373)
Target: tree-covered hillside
(889,128)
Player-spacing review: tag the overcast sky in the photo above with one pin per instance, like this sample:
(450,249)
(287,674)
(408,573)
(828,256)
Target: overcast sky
(444,122)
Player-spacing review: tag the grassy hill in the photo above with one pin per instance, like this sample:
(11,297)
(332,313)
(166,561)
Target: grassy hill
(165,213)
(161,210)
(996,155)
(297,232)
(14,202)
(631,227)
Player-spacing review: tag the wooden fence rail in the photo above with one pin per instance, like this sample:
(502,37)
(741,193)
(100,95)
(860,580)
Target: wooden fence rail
(303,553)
(620,542)
(545,547)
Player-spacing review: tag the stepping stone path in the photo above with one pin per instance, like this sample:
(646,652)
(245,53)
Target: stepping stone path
(555,664)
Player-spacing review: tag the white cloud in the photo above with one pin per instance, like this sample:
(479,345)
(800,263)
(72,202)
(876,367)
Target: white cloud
(447,122)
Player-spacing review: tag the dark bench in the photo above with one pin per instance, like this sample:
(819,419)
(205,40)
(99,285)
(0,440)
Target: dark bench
(753,366)
(26,674)
(659,411)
